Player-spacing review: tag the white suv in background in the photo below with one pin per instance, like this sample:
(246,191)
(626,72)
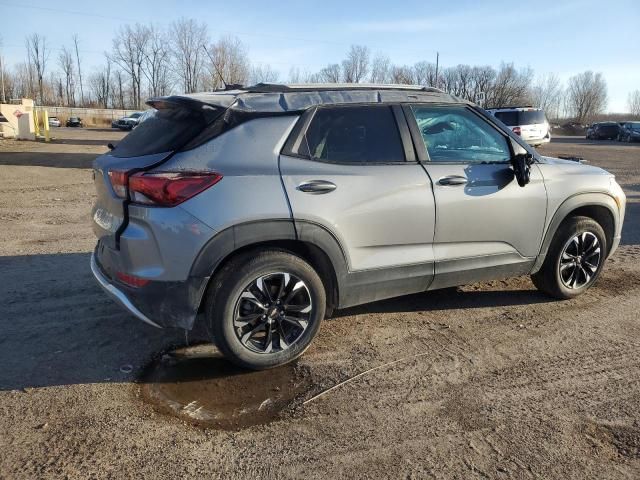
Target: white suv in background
(528,122)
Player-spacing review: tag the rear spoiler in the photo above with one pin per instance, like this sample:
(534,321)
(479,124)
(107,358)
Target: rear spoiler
(210,112)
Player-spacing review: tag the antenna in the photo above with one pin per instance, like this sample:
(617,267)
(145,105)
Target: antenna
(215,66)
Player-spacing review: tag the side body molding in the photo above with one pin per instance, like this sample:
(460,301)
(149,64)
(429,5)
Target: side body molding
(600,199)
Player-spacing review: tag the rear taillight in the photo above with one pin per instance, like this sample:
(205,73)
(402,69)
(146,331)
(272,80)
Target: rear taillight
(516,130)
(118,179)
(168,189)
(163,189)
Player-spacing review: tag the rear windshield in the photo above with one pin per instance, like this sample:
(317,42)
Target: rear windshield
(608,128)
(513,119)
(165,130)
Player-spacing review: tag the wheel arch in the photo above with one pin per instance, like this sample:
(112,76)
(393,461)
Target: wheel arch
(313,244)
(599,206)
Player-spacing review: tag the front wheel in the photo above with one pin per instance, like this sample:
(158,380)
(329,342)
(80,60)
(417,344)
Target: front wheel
(574,259)
(265,309)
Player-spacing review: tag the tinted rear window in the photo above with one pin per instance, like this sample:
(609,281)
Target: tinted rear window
(165,130)
(530,117)
(362,134)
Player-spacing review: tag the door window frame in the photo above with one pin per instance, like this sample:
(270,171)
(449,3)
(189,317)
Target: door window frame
(292,144)
(421,149)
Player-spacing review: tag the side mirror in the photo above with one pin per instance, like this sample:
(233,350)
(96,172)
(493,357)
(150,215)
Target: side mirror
(521,164)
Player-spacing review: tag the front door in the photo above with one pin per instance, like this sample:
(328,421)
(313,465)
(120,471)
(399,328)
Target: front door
(487,226)
(348,173)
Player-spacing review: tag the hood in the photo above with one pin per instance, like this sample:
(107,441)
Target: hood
(573,167)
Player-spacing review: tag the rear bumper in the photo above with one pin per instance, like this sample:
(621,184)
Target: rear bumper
(538,141)
(118,295)
(160,304)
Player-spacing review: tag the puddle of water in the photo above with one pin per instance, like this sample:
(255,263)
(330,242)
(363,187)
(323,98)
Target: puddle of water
(198,385)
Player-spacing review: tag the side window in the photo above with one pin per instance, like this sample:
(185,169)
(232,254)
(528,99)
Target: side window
(455,134)
(353,134)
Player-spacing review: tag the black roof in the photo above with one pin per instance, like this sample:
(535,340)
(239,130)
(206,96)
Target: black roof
(280,98)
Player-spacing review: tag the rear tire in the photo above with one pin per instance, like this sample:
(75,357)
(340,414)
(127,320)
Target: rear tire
(264,309)
(574,260)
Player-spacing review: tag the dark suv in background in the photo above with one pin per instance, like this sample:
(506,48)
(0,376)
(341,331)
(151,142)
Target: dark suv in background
(629,132)
(603,131)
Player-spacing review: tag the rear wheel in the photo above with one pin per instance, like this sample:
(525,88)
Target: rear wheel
(574,259)
(265,309)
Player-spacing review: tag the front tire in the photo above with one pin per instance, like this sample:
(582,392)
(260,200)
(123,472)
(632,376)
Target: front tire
(264,309)
(574,259)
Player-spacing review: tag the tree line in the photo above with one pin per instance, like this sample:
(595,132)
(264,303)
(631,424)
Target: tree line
(146,61)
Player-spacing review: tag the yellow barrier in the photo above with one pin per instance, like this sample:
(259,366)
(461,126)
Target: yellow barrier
(45,125)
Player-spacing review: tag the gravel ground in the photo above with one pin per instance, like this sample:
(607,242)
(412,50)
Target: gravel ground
(501,382)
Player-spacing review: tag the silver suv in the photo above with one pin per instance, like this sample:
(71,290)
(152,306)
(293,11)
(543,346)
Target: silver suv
(259,211)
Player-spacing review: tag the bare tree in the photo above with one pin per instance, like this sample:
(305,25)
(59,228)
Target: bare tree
(356,65)
(263,74)
(329,74)
(156,62)
(424,73)
(482,78)
(546,93)
(380,69)
(228,63)
(75,44)
(187,38)
(510,87)
(38,55)
(65,62)
(118,92)
(402,75)
(129,51)
(586,95)
(633,103)
(100,83)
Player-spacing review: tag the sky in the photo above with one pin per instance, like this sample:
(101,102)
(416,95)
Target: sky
(562,37)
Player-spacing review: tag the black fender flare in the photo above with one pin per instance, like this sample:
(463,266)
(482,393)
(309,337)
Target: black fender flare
(597,199)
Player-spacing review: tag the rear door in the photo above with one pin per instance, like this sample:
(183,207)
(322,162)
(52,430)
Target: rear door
(349,170)
(487,226)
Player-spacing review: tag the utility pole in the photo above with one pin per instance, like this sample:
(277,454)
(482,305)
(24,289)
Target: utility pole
(75,42)
(437,65)
(4,100)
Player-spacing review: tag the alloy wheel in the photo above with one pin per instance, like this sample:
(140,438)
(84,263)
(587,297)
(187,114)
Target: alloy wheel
(272,312)
(580,260)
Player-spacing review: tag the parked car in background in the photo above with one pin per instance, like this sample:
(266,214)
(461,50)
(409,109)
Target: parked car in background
(603,131)
(146,115)
(629,132)
(74,122)
(528,122)
(54,122)
(266,208)
(129,122)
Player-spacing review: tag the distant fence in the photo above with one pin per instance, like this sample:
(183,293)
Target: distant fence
(89,116)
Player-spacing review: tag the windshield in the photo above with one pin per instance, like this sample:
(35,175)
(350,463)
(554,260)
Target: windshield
(634,126)
(515,118)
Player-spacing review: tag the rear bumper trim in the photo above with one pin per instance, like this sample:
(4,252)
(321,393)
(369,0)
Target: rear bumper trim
(117,295)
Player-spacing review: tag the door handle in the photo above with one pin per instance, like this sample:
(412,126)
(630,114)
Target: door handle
(453,180)
(317,187)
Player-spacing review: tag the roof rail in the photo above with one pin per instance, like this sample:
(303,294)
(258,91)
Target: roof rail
(308,87)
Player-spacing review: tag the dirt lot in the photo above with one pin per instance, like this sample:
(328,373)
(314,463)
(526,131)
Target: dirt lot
(507,384)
